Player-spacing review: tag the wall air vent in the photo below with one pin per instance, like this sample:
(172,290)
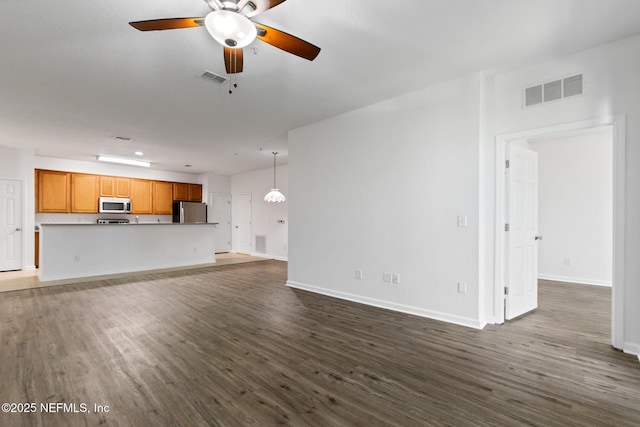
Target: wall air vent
(553,90)
(213,77)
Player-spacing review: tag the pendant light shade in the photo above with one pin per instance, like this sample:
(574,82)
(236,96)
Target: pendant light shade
(274,195)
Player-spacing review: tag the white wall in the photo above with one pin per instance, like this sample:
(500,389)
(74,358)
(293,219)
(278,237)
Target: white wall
(380,189)
(265,216)
(98,168)
(71,251)
(576,207)
(611,87)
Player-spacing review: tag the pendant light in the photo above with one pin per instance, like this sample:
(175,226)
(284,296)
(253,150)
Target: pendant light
(274,195)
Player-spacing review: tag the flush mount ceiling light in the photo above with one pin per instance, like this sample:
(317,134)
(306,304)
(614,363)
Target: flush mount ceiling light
(124,161)
(274,195)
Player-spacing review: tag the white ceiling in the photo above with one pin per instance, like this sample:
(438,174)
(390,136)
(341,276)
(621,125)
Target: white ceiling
(74,74)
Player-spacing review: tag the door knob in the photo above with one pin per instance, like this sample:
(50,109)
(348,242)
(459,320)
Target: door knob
(538,237)
(18,229)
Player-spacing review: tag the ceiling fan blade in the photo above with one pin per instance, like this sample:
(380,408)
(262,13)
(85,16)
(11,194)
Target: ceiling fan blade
(287,42)
(233,60)
(167,24)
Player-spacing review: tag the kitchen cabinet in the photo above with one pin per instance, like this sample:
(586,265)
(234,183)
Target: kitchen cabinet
(180,192)
(115,186)
(195,192)
(162,198)
(71,192)
(53,191)
(84,193)
(141,195)
(183,192)
(37,250)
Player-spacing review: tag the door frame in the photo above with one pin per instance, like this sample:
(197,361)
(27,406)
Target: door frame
(211,204)
(618,123)
(23,237)
(234,220)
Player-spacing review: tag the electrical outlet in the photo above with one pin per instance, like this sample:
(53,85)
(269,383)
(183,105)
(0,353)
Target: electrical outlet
(462,220)
(359,274)
(386,277)
(567,261)
(462,288)
(395,278)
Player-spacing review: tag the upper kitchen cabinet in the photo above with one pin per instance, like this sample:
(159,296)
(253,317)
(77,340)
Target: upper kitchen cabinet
(183,192)
(53,191)
(195,192)
(141,193)
(180,191)
(84,193)
(162,198)
(115,186)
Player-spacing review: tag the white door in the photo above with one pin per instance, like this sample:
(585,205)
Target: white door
(221,213)
(10,225)
(522,240)
(242,227)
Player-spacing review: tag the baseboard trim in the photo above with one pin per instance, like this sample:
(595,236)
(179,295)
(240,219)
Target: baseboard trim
(576,280)
(261,255)
(430,314)
(632,348)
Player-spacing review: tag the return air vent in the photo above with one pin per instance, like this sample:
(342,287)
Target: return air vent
(553,90)
(213,77)
(261,244)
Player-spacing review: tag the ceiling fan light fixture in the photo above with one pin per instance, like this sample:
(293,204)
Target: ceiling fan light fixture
(230,28)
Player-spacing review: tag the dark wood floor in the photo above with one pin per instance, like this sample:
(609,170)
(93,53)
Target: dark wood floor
(232,346)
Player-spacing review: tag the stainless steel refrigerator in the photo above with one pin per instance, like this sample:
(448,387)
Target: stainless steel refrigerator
(189,212)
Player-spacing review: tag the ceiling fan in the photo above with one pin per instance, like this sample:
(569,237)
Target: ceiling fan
(230,24)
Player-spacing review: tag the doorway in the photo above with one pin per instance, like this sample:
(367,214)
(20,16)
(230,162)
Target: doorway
(11,234)
(242,223)
(221,214)
(617,123)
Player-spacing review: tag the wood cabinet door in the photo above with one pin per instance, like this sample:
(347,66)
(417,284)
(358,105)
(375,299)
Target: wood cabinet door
(53,189)
(115,186)
(123,187)
(84,193)
(141,196)
(180,191)
(195,193)
(162,198)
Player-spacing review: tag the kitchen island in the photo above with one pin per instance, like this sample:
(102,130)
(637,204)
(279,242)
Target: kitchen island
(82,250)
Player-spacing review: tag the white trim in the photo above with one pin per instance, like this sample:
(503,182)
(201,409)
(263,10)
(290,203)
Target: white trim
(619,142)
(436,315)
(632,348)
(269,256)
(23,220)
(576,280)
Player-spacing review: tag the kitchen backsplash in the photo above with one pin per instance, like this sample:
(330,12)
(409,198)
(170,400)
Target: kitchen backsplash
(63,218)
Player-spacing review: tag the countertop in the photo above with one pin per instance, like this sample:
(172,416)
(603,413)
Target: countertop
(50,224)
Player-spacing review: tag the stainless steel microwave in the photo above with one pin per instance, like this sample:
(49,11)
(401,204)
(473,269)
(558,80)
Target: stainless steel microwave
(114,205)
